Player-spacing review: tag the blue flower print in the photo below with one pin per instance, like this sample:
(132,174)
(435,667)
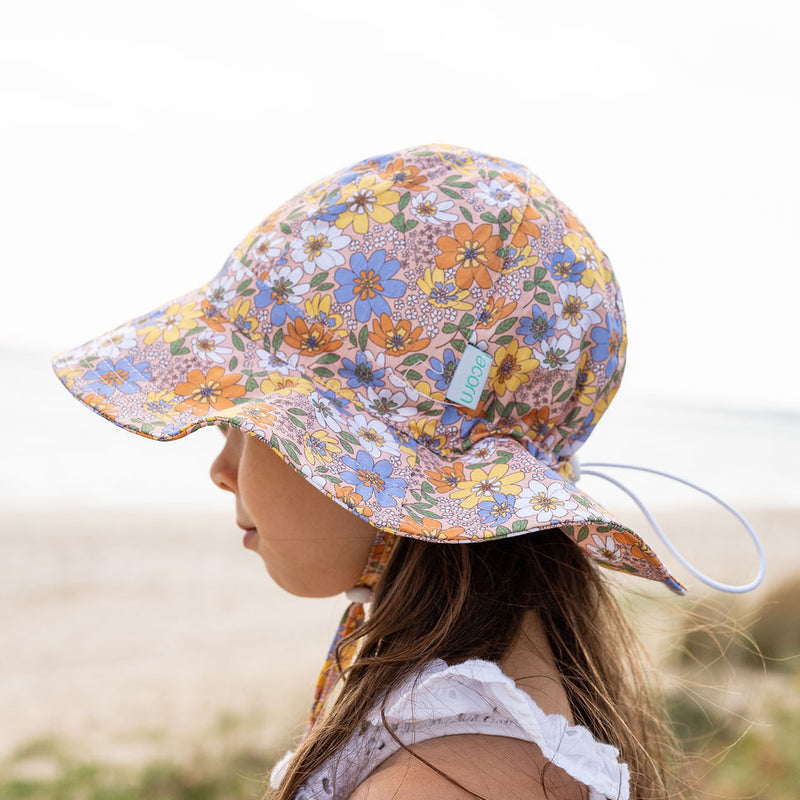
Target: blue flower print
(369,281)
(450,415)
(442,371)
(496,510)
(342,403)
(369,476)
(361,373)
(108,377)
(607,343)
(565,266)
(355,172)
(281,288)
(536,328)
(328,213)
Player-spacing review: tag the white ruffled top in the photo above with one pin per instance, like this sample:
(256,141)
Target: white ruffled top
(472,697)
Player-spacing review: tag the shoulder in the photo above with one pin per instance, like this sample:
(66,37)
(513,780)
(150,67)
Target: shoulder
(486,766)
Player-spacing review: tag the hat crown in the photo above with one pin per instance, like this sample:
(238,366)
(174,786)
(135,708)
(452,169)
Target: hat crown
(377,279)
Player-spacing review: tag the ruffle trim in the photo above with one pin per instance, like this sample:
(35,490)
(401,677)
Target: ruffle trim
(476,697)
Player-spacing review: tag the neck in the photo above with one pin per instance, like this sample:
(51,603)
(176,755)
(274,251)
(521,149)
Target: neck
(532,666)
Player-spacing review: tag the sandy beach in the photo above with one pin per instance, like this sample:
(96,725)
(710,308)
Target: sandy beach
(130,634)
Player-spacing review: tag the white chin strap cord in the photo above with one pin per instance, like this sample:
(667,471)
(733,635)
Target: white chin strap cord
(580,469)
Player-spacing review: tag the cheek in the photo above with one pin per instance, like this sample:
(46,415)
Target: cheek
(311,546)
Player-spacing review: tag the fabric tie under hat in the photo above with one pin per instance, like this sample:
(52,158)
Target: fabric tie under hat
(352,619)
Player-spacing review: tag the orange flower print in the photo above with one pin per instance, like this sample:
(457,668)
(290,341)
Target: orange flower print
(447,478)
(637,547)
(496,309)
(524,220)
(474,253)
(538,422)
(352,499)
(212,390)
(211,317)
(526,187)
(404,177)
(511,368)
(429,528)
(310,341)
(396,338)
(99,404)
(571,221)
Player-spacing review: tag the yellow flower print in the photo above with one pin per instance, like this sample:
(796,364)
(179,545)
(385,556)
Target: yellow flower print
(161,404)
(424,388)
(601,405)
(335,386)
(585,386)
(442,292)
(586,250)
(320,447)
(68,376)
(424,431)
(275,383)
(175,321)
(366,199)
(519,258)
(482,485)
(511,368)
(239,315)
(262,415)
(318,309)
(404,441)
(458,158)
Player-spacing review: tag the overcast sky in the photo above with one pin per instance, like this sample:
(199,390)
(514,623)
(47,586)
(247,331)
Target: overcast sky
(141,142)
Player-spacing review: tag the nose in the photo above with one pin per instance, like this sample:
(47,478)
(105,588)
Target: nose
(224,467)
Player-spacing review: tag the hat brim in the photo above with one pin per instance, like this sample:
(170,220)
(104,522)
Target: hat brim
(157,377)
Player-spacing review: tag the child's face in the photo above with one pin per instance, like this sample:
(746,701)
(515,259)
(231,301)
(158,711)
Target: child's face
(310,546)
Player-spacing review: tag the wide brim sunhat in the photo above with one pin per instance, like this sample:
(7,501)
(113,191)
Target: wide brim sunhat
(427,336)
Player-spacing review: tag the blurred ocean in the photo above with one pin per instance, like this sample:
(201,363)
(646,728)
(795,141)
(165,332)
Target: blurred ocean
(57,454)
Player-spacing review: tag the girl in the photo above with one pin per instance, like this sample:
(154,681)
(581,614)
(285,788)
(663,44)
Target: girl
(404,358)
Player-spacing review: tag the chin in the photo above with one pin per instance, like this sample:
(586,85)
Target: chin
(301,587)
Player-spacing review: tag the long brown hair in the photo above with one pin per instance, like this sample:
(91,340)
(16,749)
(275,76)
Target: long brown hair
(457,602)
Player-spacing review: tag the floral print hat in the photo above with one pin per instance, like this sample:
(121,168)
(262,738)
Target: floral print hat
(427,336)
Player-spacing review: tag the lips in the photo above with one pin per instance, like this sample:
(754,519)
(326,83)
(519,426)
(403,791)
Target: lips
(250,536)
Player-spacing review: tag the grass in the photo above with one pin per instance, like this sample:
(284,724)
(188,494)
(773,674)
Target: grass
(238,777)
(735,705)
(738,702)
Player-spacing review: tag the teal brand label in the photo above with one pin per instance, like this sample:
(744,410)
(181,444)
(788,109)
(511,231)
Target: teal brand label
(470,377)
